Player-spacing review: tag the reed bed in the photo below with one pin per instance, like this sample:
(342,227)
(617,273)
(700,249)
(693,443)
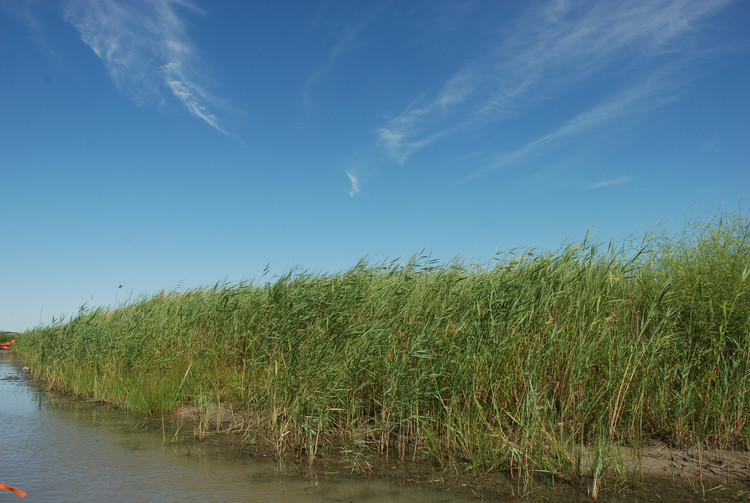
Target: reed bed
(535,363)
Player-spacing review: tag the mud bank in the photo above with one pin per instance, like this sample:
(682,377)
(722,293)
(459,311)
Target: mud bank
(653,472)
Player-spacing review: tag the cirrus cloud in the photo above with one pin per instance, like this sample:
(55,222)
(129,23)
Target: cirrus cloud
(146,50)
(552,49)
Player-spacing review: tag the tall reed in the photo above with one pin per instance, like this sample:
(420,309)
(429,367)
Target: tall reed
(535,362)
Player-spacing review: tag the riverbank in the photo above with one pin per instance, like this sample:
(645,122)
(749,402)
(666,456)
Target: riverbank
(57,448)
(653,471)
(538,365)
(656,472)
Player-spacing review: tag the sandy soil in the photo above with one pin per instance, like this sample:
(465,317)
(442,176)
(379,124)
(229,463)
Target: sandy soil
(708,464)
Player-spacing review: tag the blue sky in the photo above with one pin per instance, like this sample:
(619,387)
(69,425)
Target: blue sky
(164,144)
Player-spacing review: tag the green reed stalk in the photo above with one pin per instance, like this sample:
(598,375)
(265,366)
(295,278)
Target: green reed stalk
(534,363)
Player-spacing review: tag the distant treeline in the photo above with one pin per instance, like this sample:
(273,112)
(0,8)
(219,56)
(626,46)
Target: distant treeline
(535,362)
(7,336)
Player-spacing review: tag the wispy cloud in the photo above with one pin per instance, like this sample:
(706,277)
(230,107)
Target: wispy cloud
(146,50)
(608,183)
(550,50)
(355,183)
(636,98)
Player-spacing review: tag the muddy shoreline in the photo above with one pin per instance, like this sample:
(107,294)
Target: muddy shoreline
(713,475)
(655,471)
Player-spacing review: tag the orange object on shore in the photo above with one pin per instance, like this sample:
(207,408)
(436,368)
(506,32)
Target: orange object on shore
(13,489)
(6,345)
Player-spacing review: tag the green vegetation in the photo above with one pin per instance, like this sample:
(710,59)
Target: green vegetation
(537,363)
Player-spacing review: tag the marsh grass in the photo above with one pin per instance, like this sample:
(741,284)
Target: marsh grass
(537,364)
